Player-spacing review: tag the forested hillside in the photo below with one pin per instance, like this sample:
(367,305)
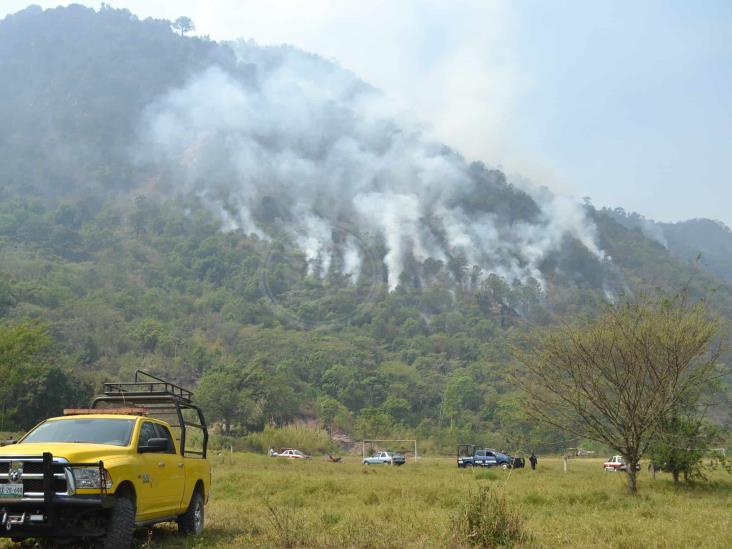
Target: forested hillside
(141,227)
(705,240)
(160,286)
(702,241)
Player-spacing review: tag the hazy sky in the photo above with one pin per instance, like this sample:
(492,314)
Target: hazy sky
(628,102)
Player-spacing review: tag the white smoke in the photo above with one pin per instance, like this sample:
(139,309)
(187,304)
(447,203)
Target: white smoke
(323,149)
(653,231)
(315,240)
(351,258)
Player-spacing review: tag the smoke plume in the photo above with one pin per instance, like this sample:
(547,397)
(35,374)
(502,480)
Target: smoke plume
(293,142)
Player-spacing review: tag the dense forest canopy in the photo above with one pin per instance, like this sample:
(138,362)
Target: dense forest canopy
(359,275)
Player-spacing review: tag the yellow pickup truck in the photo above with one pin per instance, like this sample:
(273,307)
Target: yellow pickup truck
(135,458)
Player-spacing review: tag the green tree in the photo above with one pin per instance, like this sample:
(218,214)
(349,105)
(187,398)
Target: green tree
(373,423)
(280,404)
(397,407)
(44,391)
(33,389)
(614,379)
(219,396)
(461,395)
(683,440)
(332,414)
(22,343)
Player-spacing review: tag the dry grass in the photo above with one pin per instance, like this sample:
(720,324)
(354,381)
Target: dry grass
(267,502)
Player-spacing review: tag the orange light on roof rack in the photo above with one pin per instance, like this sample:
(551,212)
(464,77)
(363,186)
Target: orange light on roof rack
(114,411)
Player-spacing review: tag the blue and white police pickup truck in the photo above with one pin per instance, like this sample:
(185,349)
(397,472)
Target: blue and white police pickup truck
(469,455)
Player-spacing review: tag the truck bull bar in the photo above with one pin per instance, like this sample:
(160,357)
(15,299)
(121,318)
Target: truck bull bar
(37,514)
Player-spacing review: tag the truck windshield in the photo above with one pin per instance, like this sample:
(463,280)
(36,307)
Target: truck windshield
(90,431)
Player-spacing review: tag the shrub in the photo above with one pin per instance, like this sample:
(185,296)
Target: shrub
(488,520)
(308,439)
(286,527)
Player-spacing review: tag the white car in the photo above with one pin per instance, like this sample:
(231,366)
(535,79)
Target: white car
(389,458)
(617,463)
(291,453)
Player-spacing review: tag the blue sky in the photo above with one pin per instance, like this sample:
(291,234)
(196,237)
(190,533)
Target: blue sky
(634,102)
(628,103)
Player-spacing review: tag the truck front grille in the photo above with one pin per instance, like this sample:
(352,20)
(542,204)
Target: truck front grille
(32,477)
(29,467)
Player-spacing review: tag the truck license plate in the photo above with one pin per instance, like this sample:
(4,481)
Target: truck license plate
(11,491)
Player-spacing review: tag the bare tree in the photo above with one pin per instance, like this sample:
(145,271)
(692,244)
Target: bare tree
(613,379)
(183,25)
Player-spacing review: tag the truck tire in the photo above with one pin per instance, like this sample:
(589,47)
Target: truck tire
(505,466)
(121,525)
(190,523)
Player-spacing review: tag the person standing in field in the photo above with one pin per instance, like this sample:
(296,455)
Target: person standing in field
(533,460)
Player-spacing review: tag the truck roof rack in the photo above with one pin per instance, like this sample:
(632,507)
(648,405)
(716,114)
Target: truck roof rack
(158,398)
(147,384)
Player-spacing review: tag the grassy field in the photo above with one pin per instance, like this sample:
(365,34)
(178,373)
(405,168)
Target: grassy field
(266,502)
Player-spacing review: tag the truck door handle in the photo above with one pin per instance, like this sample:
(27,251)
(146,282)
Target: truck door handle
(180,465)
(161,464)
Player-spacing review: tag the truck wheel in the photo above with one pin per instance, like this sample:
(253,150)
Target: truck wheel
(505,466)
(191,522)
(121,525)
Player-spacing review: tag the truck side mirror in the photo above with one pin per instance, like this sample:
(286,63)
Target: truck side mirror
(154,445)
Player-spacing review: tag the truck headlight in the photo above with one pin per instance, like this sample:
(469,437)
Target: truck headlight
(89,478)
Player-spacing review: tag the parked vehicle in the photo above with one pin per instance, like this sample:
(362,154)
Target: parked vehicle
(663,467)
(617,463)
(388,458)
(518,462)
(96,474)
(465,455)
(470,455)
(291,453)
